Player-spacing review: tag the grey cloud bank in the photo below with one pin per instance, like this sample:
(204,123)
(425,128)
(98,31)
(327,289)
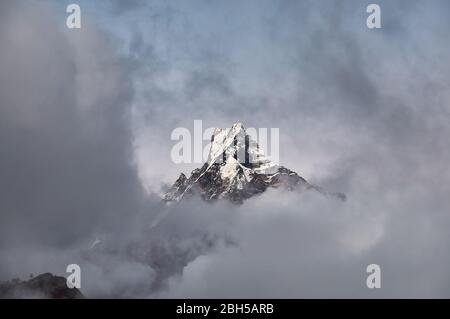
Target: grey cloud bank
(362,112)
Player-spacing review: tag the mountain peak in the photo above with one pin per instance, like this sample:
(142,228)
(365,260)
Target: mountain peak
(236,169)
(227,144)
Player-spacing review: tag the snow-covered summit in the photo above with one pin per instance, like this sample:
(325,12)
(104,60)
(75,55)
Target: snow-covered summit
(236,169)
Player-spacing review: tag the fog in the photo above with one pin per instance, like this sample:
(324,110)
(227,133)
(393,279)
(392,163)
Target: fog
(85,123)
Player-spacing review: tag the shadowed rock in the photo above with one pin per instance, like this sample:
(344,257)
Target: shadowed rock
(45,286)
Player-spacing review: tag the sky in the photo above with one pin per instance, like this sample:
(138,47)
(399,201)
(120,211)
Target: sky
(85,123)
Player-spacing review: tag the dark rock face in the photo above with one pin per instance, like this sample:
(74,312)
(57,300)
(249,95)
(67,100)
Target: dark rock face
(45,286)
(223,177)
(209,184)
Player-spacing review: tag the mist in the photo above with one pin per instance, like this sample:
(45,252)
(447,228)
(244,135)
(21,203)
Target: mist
(85,122)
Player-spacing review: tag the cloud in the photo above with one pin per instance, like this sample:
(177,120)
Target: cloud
(67,167)
(85,122)
(359,111)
